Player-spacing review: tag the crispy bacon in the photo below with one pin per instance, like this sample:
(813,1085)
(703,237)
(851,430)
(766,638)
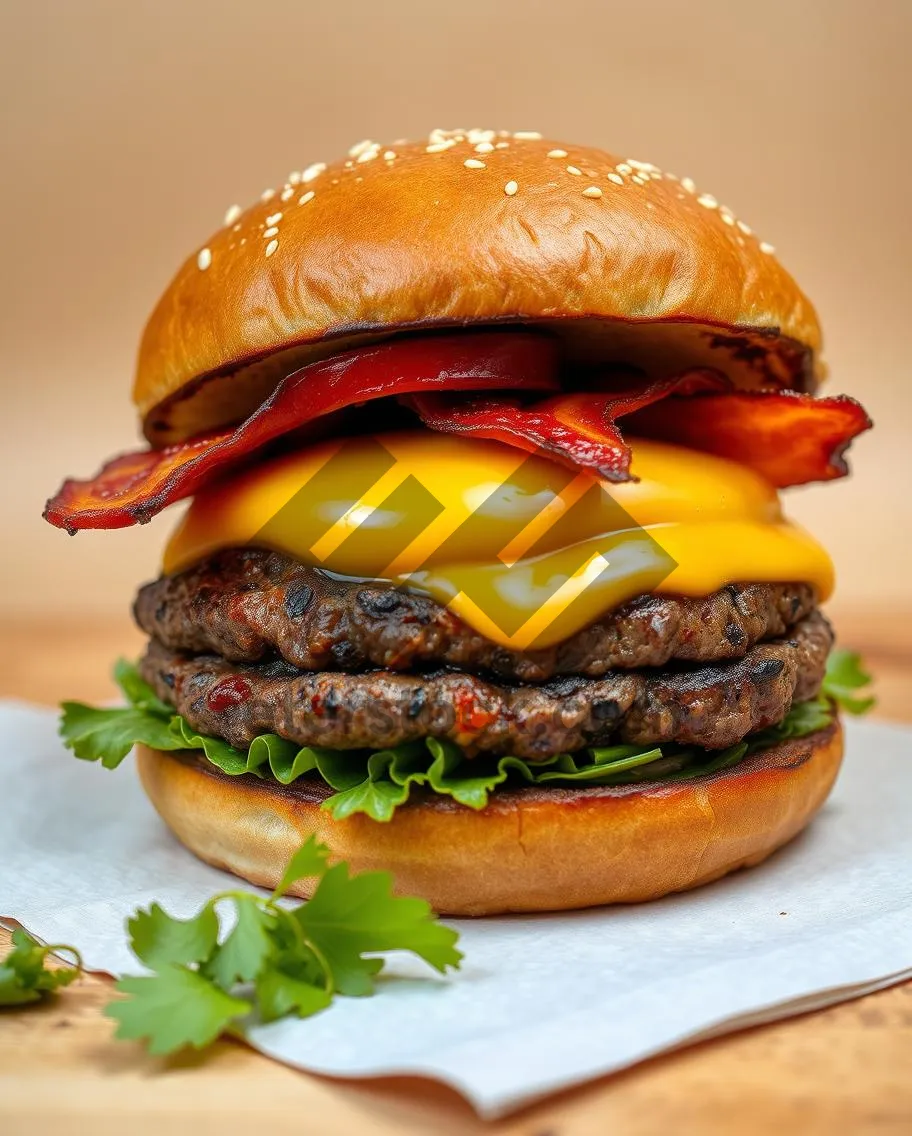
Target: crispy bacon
(790,438)
(578,430)
(132,488)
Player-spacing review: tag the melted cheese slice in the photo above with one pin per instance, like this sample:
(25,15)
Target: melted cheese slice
(526,551)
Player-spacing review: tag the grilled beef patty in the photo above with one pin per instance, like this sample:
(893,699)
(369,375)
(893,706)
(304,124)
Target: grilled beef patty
(246,604)
(712,706)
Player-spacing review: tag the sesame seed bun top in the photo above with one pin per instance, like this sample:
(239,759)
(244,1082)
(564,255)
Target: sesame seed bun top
(474,226)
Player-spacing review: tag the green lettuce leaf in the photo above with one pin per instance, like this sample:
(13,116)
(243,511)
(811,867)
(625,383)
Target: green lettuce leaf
(844,677)
(377,783)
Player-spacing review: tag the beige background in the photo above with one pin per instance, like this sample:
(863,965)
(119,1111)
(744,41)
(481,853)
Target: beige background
(128,126)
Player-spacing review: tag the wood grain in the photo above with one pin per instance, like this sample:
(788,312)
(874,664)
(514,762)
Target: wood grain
(840,1070)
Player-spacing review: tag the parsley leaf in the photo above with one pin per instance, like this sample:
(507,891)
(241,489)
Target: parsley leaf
(844,676)
(23,977)
(274,960)
(157,938)
(248,946)
(349,916)
(279,994)
(309,860)
(174,1007)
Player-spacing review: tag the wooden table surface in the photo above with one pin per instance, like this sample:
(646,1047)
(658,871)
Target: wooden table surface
(847,1069)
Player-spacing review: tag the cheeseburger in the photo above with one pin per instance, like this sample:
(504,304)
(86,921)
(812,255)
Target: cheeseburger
(484,577)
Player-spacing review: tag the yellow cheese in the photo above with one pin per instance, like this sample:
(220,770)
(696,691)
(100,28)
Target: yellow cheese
(523,549)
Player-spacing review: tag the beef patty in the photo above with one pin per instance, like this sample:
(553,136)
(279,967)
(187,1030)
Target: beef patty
(711,706)
(246,604)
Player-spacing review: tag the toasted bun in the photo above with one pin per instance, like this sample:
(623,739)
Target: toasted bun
(412,237)
(529,850)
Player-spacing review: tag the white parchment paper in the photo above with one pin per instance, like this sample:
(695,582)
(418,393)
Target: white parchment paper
(542,1002)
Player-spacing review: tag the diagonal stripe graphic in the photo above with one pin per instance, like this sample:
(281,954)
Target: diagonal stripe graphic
(353,510)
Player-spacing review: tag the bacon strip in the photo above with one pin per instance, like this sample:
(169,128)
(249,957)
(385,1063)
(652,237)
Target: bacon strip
(790,438)
(578,430)
(132,488)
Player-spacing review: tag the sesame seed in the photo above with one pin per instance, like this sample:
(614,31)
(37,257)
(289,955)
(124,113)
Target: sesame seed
(313,171)
(368,155)
(349,165)
(271,247)
(707,201)
(671,177)
(474,164)
(478,136)
(274,219)
(726,217)
(592,191)
(637,180)
(484,148)
(287,193)
(510,188)
(271,232)
(645,167)
(501,145)
(389,154)
(267,195)
(439,147)
(575,171)
(294,178)
(204,259)
(236,228)
(767,248)
(360,147)
(557,153)
(745,228)
(623,168)
(438,135)
(616,178)
(305,197)
(689,185)
(232,214)
(527,135)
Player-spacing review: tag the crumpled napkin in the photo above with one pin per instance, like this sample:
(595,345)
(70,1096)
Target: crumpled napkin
(542,1002)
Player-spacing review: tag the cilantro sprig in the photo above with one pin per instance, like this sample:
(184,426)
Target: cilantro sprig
(24,977)
(273,960)
(377,783)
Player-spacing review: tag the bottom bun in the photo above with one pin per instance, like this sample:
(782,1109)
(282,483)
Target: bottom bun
(530,849)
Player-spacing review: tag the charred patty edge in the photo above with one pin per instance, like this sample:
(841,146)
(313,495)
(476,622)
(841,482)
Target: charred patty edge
(712,706)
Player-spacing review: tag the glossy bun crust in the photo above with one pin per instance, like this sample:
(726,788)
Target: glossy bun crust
(529,850)
(469,227)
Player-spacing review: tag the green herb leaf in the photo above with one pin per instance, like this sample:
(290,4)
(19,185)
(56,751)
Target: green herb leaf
(173,1008)
(295,959)
(157,938)
(279,994)
(249,944)
(350,916)
(23,976)
(309,860)
(844,676)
